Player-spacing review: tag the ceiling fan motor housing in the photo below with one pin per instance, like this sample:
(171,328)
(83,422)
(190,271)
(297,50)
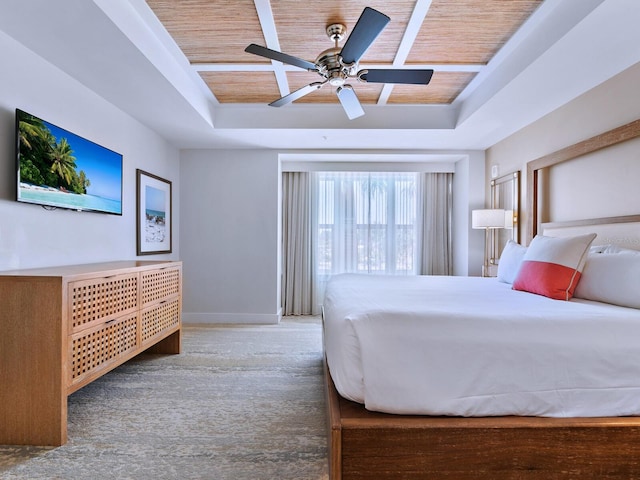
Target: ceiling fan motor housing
(329,62)
(331,68)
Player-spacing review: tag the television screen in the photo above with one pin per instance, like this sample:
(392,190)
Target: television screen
(58,168)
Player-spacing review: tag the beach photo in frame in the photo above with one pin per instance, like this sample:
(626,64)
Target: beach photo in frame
(153,214)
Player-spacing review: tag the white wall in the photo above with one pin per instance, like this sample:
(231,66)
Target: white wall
(31,236)
(229,236)
(610,105)
(468,194)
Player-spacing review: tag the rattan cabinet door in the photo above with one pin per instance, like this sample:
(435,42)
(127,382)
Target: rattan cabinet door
(98,348)
(156,320)
(101,299)
(160,298)
(160,284)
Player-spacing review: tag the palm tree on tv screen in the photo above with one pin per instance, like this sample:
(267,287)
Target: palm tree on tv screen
(63,161)
(30,128)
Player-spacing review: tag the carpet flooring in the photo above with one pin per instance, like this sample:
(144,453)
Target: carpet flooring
(240,402)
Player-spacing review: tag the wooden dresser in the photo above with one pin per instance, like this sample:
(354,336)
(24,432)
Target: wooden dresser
(63,327)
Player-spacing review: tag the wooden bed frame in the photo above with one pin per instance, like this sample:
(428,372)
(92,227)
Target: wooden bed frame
(375,446)
(366,445)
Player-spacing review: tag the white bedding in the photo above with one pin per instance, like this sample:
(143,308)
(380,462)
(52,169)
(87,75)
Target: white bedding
(471,346)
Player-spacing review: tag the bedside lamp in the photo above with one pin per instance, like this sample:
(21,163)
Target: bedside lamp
(487,219)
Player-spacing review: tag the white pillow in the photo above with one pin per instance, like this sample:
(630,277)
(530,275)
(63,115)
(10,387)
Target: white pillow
(552,266)
(611,278)
(616,249)
(598,248)
(510,261)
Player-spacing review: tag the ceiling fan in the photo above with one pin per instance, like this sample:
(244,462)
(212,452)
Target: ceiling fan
(337,66)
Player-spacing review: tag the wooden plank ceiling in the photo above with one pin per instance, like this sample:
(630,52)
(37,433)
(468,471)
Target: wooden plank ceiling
(457,38)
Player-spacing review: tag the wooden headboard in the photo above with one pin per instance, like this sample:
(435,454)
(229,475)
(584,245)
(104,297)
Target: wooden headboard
(607,139)
(621,231)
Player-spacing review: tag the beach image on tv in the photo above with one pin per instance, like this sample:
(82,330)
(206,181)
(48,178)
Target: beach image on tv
(61,169)
(154,208)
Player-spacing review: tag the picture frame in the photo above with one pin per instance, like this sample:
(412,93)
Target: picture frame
(153,207)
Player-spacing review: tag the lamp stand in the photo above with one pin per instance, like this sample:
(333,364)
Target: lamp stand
(485,267)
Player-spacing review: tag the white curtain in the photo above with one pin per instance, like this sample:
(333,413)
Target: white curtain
(436,224)
(297,277)
(366,223)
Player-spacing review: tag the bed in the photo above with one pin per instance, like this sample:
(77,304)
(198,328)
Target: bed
(473,347)
(574,422)
(526,387)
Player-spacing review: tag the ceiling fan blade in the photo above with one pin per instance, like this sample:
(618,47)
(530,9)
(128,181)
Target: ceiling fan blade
(367,29)
(350,102)
(301,92)
(281,57)
(414,77)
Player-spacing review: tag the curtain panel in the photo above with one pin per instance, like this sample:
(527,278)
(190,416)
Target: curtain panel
(437,203)
(297,254)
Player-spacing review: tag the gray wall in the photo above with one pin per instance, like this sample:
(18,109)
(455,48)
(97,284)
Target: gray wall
(468,195)
(229,236)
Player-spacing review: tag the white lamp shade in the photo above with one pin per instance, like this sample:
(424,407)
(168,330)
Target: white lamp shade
(488,218)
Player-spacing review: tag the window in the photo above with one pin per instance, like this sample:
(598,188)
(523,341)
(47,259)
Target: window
(366,223)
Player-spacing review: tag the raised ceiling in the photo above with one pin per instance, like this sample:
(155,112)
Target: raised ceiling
(499,66)
(455,38)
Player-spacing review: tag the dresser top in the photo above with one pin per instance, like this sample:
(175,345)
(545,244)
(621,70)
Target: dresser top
(113,268)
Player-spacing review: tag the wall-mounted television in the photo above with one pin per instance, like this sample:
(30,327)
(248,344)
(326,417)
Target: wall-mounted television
(57,168)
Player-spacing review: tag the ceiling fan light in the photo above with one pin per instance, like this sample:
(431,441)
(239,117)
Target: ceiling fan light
(349,100)
(337,80)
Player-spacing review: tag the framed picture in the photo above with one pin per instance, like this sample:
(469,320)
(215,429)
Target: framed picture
(153,214)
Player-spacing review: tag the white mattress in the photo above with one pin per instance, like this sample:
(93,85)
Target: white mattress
(471,346)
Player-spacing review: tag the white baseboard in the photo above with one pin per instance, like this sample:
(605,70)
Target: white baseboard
(232,318)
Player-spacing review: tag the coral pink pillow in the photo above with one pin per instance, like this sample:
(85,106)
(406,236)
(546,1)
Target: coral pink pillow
(552,266)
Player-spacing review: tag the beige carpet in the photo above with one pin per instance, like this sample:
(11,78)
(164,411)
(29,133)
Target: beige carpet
(241,402)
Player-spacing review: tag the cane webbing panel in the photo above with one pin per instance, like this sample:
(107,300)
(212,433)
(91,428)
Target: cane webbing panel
(159,284)
(98,298)
(160,318)
(95,347)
